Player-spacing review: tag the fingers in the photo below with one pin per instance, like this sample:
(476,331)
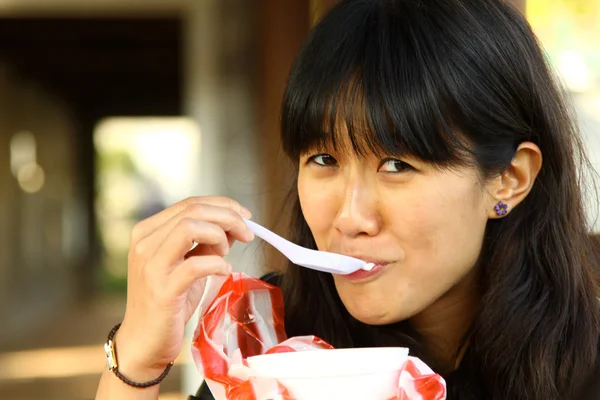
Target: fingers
(229,221)
(148,226)
(186,232)
(165,286)
(194,268)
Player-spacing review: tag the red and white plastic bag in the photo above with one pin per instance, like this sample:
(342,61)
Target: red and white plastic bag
(241,349)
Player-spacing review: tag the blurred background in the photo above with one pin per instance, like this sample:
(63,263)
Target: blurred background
(111,110)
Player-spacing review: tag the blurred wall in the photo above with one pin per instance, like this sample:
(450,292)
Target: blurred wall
(42,230)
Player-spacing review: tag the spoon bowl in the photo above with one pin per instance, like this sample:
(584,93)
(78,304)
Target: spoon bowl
(314,259)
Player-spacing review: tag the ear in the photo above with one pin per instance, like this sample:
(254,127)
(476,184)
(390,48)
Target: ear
(515,183)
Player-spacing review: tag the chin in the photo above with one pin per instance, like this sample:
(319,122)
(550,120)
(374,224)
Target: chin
(370,316)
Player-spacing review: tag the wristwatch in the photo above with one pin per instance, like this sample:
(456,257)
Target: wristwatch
(110,350)
(111,357)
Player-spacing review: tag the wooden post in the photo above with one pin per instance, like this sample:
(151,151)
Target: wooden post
(320,7)
(283,27)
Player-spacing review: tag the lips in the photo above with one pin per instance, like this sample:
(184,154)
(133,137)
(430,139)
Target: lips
(362,275)
(370,260)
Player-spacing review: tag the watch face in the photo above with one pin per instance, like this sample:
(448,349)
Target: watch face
(109,350)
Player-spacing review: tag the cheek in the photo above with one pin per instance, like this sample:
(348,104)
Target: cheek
(439,232)
(442,236)
(319,207)
(439,219)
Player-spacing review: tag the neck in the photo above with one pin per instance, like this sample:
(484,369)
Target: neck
(443,325)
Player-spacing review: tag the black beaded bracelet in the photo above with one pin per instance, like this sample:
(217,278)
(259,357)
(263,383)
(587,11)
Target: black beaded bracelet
(111,358)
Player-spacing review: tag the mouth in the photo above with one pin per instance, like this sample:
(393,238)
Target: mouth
(363,275)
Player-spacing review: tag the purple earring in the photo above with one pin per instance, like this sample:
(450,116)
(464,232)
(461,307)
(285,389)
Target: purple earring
(501,209)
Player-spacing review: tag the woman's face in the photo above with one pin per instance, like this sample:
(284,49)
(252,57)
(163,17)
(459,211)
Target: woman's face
(422,226)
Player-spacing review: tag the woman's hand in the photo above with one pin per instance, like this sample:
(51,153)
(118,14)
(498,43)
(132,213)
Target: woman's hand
(166,280)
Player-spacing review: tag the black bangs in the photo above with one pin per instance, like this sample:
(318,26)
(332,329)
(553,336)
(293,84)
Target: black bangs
(368,79)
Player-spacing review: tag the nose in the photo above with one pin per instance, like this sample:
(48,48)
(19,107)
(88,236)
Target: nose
(358,211)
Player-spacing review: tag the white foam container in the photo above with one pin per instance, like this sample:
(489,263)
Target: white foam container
(349,374)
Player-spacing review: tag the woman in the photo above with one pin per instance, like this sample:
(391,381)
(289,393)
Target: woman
(431,139)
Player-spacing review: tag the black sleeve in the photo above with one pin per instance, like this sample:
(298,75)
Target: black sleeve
(204,392)
(272,278)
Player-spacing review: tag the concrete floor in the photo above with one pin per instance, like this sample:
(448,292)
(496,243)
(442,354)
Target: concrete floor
(64,359)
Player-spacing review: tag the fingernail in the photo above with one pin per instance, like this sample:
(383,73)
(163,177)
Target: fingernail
(246,213)
(250,235)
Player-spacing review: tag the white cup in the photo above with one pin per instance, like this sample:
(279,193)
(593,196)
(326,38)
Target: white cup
(349,374)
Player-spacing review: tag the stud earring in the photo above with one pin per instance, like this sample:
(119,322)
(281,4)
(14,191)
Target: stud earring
(501,209)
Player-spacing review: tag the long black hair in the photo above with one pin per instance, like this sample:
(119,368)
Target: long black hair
(457,82)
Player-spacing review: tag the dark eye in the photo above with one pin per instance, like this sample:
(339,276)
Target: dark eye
(324,160)
(392,165)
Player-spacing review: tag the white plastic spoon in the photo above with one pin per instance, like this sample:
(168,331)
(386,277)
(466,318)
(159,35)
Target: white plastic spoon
(313,259)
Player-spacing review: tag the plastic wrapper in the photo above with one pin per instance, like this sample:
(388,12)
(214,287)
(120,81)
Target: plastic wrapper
(241,349)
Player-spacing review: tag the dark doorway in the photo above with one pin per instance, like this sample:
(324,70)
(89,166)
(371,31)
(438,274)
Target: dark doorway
(93,68)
